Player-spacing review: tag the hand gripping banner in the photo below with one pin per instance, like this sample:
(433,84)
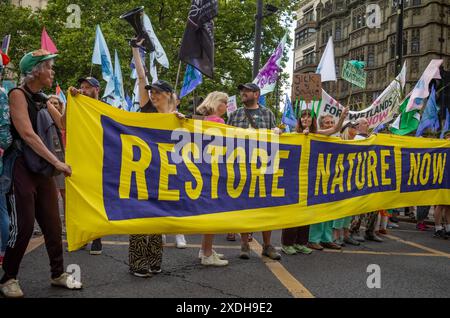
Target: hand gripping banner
(139,173)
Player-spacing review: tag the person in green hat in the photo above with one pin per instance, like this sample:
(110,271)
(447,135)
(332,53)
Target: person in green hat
(34,193)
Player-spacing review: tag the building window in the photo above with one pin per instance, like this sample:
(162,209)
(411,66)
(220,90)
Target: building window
(338,31)
(369,78)
(359,18)
(405,42)
(415,41)
(415,65)
(308,14)
(303,36)
(309,56)
(392,45)
(371,56)
(416,2)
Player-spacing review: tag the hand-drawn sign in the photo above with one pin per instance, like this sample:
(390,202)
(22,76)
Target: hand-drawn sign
(307,87)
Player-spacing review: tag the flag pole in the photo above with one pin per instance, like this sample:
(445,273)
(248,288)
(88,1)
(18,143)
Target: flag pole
(178,76)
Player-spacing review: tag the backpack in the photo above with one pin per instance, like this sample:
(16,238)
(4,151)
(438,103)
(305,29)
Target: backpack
(46,129)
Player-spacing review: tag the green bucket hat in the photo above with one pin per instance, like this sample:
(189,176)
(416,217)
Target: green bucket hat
(446,133)
(32,59)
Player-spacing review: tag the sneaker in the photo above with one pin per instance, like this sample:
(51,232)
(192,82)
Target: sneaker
(164,239)
(302,249)
(245,251)
(373,237)
(200,254)
(11,289)
(331,245)
(271,252)
(96,247)
(213,260)
(231,237)
(357,237)
(349,240)
(315,246)
(155,269)
(141,273)
(180,241)
(288,249)
(393,226)
(67,281)
(440,234)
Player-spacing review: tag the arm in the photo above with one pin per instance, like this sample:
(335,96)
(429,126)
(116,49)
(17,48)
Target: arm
(142,79)
(337,127)
(56,116)
(21,120)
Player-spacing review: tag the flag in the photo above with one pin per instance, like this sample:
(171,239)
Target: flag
(420,91)
(47,43)
(231,105)
(133,66)
(288,117)
(5,43)
(447,123)
(192,78)
(129,102)
(153,70)
(406,122)
(262,101)
(119,95)
(101,55)
(60,94)
(159,52)
(379,128)
(136,104)
(430,116)
(327,67)
(197,46)
(268,75)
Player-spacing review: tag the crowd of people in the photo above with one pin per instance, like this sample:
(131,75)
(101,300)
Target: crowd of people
(34,195)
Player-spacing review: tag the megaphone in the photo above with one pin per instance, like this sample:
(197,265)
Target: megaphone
(135,18)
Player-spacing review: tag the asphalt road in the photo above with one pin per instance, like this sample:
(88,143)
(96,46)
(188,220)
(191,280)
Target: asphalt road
(411,263)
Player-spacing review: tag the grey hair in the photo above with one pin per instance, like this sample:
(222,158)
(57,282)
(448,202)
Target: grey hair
(36,71)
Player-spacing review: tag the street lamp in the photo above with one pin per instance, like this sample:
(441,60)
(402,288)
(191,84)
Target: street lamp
(270,9)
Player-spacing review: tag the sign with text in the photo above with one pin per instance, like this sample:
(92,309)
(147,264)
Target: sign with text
(354,75)
(307,87)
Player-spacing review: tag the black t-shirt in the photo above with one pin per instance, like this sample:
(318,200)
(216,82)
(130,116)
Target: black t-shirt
(149,108)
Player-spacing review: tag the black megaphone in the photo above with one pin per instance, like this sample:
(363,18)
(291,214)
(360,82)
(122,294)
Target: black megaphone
(135,18)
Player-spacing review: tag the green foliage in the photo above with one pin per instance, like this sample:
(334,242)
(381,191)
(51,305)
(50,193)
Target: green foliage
(234,37)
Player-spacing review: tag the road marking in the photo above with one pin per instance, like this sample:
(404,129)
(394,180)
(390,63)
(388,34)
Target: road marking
(34,243)
(383,253)
(282,274)
(419,246)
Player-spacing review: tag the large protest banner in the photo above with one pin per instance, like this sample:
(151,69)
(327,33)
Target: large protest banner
(136,173)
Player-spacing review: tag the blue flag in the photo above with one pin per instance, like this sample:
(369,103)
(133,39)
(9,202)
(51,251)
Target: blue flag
(192,78)
(430,116)
(262,100)
(447,123)
(119,94)
(101,55)
(288,117)
(129,102)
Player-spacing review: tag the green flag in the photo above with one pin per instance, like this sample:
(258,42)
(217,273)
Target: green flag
(406,122)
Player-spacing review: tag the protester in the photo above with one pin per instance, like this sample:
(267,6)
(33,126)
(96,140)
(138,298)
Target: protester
(252,115)
(363,133)
(146,250)
(34,194)
(89,86)
(293,240)
(442,213)
(320,232)
(5,180)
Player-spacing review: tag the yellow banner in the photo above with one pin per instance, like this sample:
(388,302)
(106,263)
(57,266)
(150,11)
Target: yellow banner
(136,173)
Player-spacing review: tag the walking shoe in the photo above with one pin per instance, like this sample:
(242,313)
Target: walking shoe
(393,226)
(288,249)
(421,227)
(245,251)
(302,249)
(213,260)
(383,231)
(351,241)
(11,289)
(271,252)
(96,247)
(440,234)
(331,245)
(200,254)
(231,237)
(164,239)
(141,273)
(155,269)
(339,242)
(315,246)
(180,241)
(356,236)
(67,281)
(373,237)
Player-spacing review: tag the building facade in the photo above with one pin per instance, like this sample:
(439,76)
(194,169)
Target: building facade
(34,4)
(426,36)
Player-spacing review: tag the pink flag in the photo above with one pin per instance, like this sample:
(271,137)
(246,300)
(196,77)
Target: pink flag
(420,91)
(47,43)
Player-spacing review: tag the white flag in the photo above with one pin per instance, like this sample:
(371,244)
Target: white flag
(327,68)
(231,105)
(161,56)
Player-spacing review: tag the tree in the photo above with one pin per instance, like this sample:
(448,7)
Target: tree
(234,36)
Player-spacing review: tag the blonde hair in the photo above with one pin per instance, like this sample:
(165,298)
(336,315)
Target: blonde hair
(345,135)
(211,103)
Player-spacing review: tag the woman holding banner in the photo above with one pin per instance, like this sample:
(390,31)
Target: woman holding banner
(294,240)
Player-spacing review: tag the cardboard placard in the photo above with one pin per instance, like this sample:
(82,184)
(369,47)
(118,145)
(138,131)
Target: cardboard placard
(307,86)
